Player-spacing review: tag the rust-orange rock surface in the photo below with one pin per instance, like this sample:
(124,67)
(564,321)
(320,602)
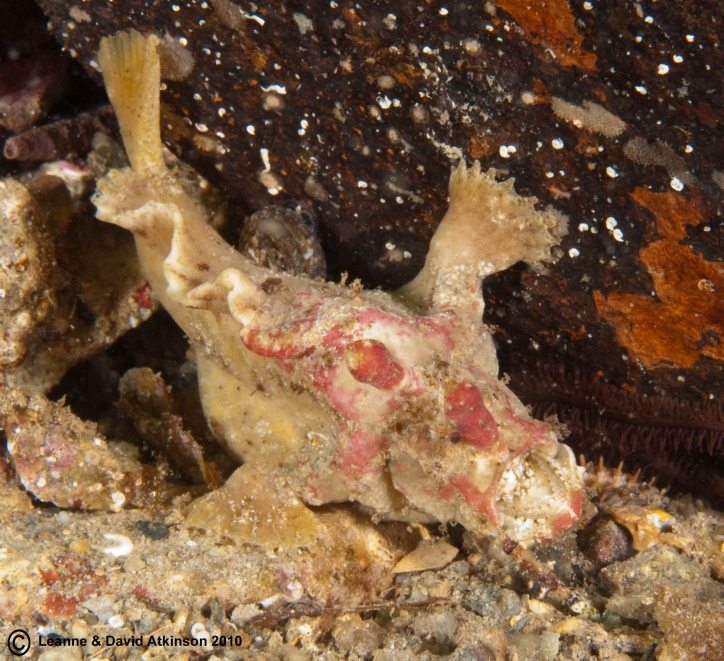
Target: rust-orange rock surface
(551,25)
(684,321)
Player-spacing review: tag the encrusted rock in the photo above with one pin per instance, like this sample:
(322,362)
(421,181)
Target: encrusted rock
(62,459)
(28,273)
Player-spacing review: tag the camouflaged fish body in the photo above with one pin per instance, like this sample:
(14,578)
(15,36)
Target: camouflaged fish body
(331,393)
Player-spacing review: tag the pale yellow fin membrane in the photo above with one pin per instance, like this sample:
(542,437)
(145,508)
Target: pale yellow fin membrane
(501,226)
(132,75)
(487,228)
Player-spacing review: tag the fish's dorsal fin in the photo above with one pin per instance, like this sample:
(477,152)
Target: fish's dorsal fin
(132,74)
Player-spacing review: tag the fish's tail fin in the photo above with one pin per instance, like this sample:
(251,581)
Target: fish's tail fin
(132,75)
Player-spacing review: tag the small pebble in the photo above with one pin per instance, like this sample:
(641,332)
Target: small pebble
(243,613)
(427,556)
(438,625)
(103,607)
(353,635)
(603,542)
(133,564)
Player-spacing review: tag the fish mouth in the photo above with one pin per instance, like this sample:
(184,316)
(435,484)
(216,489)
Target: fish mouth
(539,494)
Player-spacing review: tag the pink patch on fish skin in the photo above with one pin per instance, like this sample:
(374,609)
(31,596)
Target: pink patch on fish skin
(445,493)
(480,501)
(335,339)
(346,401)
(369,361)
(315,492)
(569,518)
(436,329)
(475,424)
(359,451)
(371,316)
(300,300)
(280,342)
(286,365)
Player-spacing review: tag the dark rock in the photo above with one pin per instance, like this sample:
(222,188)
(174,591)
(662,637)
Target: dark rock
(603,542)
(152,529)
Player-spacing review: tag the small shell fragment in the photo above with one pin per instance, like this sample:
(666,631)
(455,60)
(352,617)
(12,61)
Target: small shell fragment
(645,526)
(426,557)
(123,545)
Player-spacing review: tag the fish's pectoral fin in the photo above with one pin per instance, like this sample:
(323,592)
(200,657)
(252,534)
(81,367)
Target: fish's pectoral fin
(252,507)
(488,227)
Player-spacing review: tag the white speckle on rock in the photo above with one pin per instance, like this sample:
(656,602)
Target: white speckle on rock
(264,153)
(472,46)
(574,252)
(386,82)
(384,102)
(254,17)
(79,15)
(557,143)
(611,172)
(303,23)
(272,183)
(662,69)
(279,89)
(676,184)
